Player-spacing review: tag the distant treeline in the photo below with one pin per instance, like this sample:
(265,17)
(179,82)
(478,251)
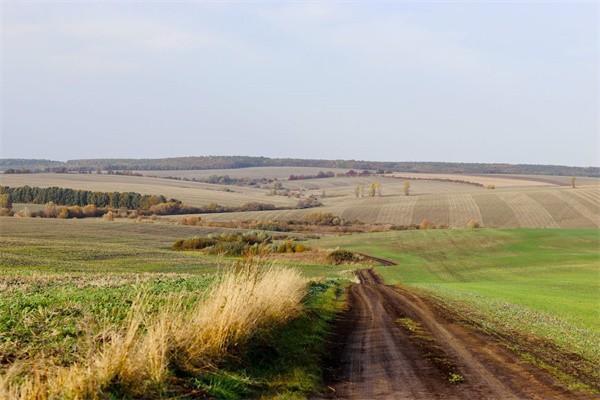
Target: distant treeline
(226,162)
(320,175)
(72,197)
(145,204)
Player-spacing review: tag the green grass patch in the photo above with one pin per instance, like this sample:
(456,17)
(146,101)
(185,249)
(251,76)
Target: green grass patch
(282,363)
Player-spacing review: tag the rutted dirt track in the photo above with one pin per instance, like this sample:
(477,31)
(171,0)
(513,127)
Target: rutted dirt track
(378,358)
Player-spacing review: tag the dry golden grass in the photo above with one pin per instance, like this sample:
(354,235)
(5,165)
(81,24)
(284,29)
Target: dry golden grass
(141,355)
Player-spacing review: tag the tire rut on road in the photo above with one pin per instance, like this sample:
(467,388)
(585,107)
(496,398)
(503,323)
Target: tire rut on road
(377,358)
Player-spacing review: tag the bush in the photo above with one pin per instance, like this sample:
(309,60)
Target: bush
(193,220)
(63,213)
(426,224)
(342,257)
(24,213)
(6,212)
(198,243)
(473,224)
(325,219)
(309,202)
(108,216)
(5,201)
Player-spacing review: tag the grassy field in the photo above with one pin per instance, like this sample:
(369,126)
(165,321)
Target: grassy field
(522,203)
(68,289)
(543,282)
(62,279)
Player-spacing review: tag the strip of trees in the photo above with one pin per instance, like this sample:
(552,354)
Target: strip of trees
(104,202)
(73,197)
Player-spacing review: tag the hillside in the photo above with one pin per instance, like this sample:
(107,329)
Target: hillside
(516,201)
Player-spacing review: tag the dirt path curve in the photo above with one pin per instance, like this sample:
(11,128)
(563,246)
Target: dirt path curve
(381,261)
(378,358)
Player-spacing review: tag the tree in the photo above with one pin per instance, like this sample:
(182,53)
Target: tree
(573,182)
(406,188)
(357,191)
(5,201)
(373,189)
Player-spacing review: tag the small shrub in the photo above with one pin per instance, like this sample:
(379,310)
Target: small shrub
(310,202)
(90,211)
(341,257)
(194,220)
(51,210)
(108,216)
(5,201)
(323,219)
(24,213)
(473,224)
(6,212)
(426,224)
(491,187)
(63,213)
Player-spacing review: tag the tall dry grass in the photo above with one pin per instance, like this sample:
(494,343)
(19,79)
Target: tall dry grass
(140,357)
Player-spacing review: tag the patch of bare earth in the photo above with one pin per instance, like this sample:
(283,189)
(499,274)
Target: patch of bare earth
(393,344)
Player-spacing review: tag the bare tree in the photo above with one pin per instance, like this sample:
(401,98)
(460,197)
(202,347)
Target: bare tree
(406,188)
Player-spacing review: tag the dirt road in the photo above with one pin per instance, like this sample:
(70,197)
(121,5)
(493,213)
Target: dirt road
(392,345)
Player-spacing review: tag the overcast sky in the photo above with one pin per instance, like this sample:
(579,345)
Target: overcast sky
(473,82)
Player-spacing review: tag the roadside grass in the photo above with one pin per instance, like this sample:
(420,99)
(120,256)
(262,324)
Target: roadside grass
(286,362)
(161,336)
(55,317)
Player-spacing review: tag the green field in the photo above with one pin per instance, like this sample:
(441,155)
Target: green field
(62,278)
(545,282)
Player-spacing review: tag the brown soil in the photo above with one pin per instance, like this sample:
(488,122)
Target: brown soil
(391,344)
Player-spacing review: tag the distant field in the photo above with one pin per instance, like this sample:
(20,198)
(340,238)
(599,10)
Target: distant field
(496,180)
(543,282)
(521,203)
(191,193)
(500,208)
(281,173)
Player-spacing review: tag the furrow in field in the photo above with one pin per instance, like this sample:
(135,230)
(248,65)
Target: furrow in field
(529,212)
(495,212)
(432,208)
(565,213)
(462,209)
(398,213)
(581,205)
(364,213)
(590,198)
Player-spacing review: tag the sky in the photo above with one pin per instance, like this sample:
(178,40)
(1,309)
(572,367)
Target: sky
(514,82)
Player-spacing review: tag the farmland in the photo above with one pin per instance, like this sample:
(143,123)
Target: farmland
(514,203)
(67,281)
(527,282)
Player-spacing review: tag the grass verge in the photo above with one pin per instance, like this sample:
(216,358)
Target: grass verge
(283,363)
(151,350)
